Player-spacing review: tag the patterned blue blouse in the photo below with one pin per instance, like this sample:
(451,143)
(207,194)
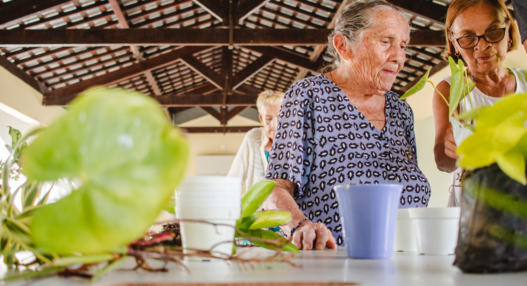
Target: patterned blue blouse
(322,140)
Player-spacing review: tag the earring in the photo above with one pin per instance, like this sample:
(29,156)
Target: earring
(457,54)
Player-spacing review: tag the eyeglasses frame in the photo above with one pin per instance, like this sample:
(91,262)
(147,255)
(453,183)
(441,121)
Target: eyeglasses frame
(479,38)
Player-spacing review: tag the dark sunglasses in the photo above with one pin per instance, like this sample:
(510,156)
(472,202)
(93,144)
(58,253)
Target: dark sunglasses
(492,36)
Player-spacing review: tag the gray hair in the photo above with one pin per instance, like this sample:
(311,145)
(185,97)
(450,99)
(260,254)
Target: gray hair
(351,22)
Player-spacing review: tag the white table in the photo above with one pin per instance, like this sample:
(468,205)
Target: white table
(330,265)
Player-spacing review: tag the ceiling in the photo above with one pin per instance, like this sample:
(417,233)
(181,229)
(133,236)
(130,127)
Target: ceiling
(216,55)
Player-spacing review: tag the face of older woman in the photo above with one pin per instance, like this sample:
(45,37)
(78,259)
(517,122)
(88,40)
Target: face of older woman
(380,56)
(269,118)
(477,20)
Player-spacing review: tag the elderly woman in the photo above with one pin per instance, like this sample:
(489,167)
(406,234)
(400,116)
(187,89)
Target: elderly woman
(479,32)
(346,127)
(251,161)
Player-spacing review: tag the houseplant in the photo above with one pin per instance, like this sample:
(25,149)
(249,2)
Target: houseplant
(492,145)
(128,159)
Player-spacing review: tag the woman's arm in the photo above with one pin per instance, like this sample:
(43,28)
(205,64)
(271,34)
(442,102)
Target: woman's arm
(444,146)
(307,233)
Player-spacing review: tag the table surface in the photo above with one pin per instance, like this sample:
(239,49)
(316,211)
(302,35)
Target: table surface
(324,266)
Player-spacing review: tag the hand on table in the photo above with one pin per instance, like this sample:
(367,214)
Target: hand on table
(309,233)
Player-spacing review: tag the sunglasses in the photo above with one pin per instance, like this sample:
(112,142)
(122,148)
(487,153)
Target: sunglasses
(492,36)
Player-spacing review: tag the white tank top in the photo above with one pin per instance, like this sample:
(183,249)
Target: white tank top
(478,98)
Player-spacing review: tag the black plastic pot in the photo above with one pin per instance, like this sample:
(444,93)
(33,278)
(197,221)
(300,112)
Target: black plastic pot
(493,226)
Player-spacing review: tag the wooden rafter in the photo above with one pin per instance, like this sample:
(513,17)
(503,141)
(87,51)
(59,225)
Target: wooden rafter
(210,110)
(126,72)
(235,111)
(12,68)
(286,56)
(247,7)
(426,9)
(216,8)
(250,70)
(203,70)
(184,36)
(226,72)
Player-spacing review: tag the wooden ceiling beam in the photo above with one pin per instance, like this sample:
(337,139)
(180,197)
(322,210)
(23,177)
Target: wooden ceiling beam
(285,56)
(184,36)
(226,72)
(235,111)
(203,70)
(126,72)
(250,70)
(423,8)
(247,7)
(217,8)
(15,10)
(213,112)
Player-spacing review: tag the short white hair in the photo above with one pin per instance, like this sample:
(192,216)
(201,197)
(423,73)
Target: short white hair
(269,97)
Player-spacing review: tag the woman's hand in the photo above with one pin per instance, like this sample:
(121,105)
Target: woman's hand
(310,233)
(450,143)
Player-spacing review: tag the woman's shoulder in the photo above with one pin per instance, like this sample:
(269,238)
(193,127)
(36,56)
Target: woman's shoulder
(255,133)
(520,74)
(310,85)
(394,102)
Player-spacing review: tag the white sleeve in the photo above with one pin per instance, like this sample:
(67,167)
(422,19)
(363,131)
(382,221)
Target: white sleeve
(240,164)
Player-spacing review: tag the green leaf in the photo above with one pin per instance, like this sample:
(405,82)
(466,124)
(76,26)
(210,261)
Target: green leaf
(30,192)
(255,197)
(129,159)
(170,206)
(264,219)
(473,113)
(512,163)
(469,86)
(417,87)
(280,243)
(496,199)
(109,268)
(511,110)
(88,259)
(456,86)
(31,274)
(484,147)
(271,218)
(15,137)
(246,222)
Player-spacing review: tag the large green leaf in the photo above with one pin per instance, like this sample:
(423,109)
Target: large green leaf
(418,86)
(456,85)
(473,113)
(511,110)
(255,197)
(128,158)
(485,146)
(512,163)
(256,236)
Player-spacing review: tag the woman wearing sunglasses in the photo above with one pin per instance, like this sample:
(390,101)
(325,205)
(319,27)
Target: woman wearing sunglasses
(480,33)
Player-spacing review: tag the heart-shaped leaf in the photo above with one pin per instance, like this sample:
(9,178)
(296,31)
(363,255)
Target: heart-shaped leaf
(129,159)
(255,197)
(456,85)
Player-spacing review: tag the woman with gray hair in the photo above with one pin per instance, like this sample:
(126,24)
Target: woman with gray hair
(345,126)
(251,160)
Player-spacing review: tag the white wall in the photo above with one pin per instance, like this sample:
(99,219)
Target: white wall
(21,106)
(214,143)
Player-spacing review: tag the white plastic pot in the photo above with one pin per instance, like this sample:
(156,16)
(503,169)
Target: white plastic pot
(213,200)
(405,232)
(437,229)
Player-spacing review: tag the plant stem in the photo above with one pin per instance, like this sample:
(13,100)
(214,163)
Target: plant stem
(439,93)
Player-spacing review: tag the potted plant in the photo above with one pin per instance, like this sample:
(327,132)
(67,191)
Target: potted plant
(492,145)
(129,159)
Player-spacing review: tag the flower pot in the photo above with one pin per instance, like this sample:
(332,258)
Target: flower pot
(405,232)
(493,226)
(437,229)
